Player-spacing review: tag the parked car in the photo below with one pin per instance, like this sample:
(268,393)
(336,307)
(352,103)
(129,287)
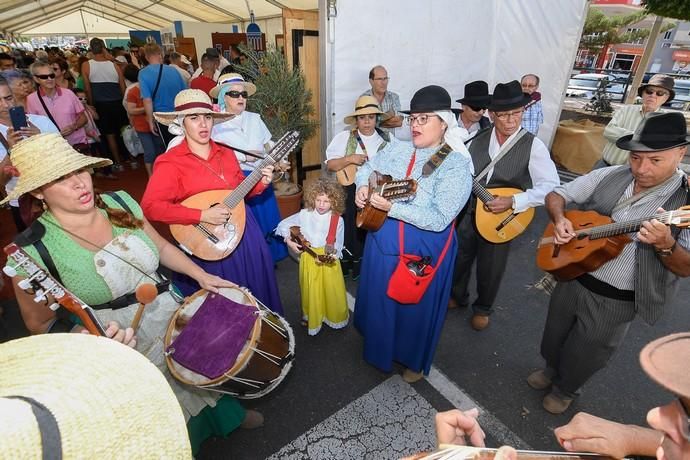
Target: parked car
(585,85)
(682,98)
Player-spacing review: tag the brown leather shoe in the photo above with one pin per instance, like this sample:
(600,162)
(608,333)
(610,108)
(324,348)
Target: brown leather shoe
(538,380)
(556,404)
(452,303)
(480,322)
(411,376)
(252,419)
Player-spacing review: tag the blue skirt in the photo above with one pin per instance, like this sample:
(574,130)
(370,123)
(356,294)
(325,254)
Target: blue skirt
(392,331)
(249,265)
(265,209)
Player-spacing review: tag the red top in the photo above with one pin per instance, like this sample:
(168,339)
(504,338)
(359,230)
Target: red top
(139,122)
(203,83)
(179,174)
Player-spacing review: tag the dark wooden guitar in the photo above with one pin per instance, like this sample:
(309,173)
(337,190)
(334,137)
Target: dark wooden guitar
(500,227)
(40,284)
(598,239)
(215,242)
(371,218)
(297,237)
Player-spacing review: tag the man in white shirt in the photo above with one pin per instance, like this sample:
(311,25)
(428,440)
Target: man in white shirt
(527,166)
(472,118)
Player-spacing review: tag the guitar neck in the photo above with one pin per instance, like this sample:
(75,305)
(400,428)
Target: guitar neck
(619,228)
(481,192)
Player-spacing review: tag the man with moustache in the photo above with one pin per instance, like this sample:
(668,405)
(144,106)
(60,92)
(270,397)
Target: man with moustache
(527,165)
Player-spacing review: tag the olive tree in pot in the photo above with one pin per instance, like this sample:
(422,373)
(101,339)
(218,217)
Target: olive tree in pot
(284,103)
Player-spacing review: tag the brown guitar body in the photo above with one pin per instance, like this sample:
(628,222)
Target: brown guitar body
(579,255)
(370,218)
(346,176)
(196,241)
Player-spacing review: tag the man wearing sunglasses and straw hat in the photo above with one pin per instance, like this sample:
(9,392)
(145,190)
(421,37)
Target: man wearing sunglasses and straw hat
(198,164)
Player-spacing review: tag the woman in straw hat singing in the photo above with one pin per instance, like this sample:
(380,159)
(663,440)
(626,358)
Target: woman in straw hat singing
(198,164)
(102,248)
(247,131)
(346,152)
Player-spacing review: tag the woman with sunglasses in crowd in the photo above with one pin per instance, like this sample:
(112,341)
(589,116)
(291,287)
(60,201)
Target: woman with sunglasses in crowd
(247,131)
(63,76)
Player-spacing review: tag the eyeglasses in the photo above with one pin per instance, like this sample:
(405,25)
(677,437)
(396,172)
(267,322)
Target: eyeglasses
(476,109)
(505,115)
(50,76)
(659,92)
(237,94)
(420,119)
(381,79)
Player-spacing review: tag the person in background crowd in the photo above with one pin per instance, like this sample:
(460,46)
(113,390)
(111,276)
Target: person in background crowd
(159,84)
(205,81)
(93,136)
(104,86)
(474,104)
(63,77)
(656,92)
(21,83)
(388,101)
(7,62)
(526,166)
(181,64)
(74,66)
(221,63)
(534,112)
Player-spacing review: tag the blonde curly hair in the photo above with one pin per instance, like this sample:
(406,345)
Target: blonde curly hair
(333,190)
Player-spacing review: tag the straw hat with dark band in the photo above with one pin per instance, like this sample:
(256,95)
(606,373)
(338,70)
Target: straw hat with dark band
(666,359)
(191,102)
(229,79)
(365,105)
(43,158)
(81,396)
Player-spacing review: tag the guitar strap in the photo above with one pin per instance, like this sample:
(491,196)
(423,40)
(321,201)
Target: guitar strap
(436,159)
(45,107)
(505,148)
(635,198)
(360,142)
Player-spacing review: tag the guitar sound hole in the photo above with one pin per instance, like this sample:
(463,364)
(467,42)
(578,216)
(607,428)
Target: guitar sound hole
(580,247)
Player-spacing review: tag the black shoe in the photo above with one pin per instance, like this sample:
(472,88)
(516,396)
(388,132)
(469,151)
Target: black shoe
(356,266)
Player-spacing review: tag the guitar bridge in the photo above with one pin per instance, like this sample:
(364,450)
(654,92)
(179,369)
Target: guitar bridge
(210,236)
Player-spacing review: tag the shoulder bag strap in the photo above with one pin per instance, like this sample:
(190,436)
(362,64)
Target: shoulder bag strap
(505,148)
(119,200)
(401,242)
(45,107)
(33,236)
(158,83)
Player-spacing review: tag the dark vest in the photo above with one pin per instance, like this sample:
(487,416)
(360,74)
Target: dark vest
(654,284)
(512,170)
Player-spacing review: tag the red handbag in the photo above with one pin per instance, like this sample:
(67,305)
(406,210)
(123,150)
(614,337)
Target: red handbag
(412,275)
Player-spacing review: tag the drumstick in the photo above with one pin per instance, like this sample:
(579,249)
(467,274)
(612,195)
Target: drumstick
(145,294)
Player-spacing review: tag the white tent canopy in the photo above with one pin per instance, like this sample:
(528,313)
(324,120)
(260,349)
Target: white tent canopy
(80,23)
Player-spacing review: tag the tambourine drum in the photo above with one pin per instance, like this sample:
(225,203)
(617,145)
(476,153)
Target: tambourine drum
(264,361)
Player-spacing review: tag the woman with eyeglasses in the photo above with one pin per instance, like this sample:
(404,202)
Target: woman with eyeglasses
(394,329)
(248,132)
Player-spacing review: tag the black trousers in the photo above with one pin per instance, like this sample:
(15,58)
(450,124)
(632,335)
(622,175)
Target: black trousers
(582,332)
(491,264)
(354,236)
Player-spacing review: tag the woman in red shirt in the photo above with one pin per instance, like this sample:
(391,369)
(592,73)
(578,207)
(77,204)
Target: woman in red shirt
(196,165)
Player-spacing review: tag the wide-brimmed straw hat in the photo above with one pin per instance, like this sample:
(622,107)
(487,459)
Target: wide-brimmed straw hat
(666,359)
(366,105)
(662,81)
(508,96)
(657,132)
(43,158)
(192,102)
(229,79)
(430,99)
(82,396)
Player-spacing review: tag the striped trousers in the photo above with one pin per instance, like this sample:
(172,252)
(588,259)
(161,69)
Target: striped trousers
(582,332)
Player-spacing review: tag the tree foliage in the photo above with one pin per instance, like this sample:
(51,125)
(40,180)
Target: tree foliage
(601,30)
(677,9)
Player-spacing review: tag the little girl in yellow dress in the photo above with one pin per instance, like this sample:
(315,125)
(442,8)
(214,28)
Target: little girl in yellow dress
(320,278)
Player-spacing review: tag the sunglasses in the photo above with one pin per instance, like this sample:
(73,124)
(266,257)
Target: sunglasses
(50,76)
(659,93)
(237,94)
(476,109)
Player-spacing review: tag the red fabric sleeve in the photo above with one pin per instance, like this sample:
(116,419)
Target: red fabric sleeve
(163,194)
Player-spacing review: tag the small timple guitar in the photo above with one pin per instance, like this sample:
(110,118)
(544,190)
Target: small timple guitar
(40,284)
(598,239)
(297,237)
(503,226)
(215,242)
(371,218)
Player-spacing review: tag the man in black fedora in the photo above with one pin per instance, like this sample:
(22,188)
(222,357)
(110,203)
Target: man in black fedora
(589,316)
(474,104)
(524,163)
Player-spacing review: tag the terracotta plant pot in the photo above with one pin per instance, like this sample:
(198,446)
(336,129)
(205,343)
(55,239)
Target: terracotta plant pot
(289,198)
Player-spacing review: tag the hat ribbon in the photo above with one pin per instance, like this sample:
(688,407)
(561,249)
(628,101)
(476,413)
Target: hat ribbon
(47,426)
(507,101)
(232,80)
(658,137)
(193,105)
(365,106)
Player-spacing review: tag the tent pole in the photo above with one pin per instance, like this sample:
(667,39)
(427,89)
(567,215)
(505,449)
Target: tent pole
(83,23)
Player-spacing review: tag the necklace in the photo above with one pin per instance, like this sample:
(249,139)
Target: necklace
(220,176)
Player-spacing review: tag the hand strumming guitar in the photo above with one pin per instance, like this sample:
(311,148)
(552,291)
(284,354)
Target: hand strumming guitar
(215,215)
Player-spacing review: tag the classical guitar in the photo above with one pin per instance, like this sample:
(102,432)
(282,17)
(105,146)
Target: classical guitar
(500,227)
(371,218)
(215,242)
(40,284)
(598,239)
(455,452)
(346,176)
(297,237)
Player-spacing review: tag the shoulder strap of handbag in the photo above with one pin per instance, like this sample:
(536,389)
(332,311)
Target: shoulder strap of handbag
(45,107)
(401,241)
(32,236)
(158,83)
(332,228)
(4,143)
(436,159)
(505,148)
(118,199)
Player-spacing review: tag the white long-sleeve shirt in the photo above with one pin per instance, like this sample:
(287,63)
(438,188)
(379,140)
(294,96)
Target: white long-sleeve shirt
(314,227)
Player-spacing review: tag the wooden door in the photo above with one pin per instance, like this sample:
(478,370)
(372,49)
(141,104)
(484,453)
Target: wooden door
(187,46)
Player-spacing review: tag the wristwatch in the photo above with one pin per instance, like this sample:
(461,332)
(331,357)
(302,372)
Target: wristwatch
(668,251)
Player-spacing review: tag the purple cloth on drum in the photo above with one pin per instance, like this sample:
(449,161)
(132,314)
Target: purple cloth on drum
(211,341)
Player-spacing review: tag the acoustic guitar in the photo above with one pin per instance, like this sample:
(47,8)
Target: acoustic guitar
(40,284)
(346,176)
(500,227)
(598,239)
(456,452)
(297,237)
(215,242)
(371,218)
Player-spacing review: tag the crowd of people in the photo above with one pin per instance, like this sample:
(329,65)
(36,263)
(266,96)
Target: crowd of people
(199,137)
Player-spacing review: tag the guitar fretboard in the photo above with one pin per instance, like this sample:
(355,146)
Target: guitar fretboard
(618,228)
(481,192)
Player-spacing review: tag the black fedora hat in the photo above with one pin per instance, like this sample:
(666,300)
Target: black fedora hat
(658,131)
(429,99)
(476,94)
(508,96)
